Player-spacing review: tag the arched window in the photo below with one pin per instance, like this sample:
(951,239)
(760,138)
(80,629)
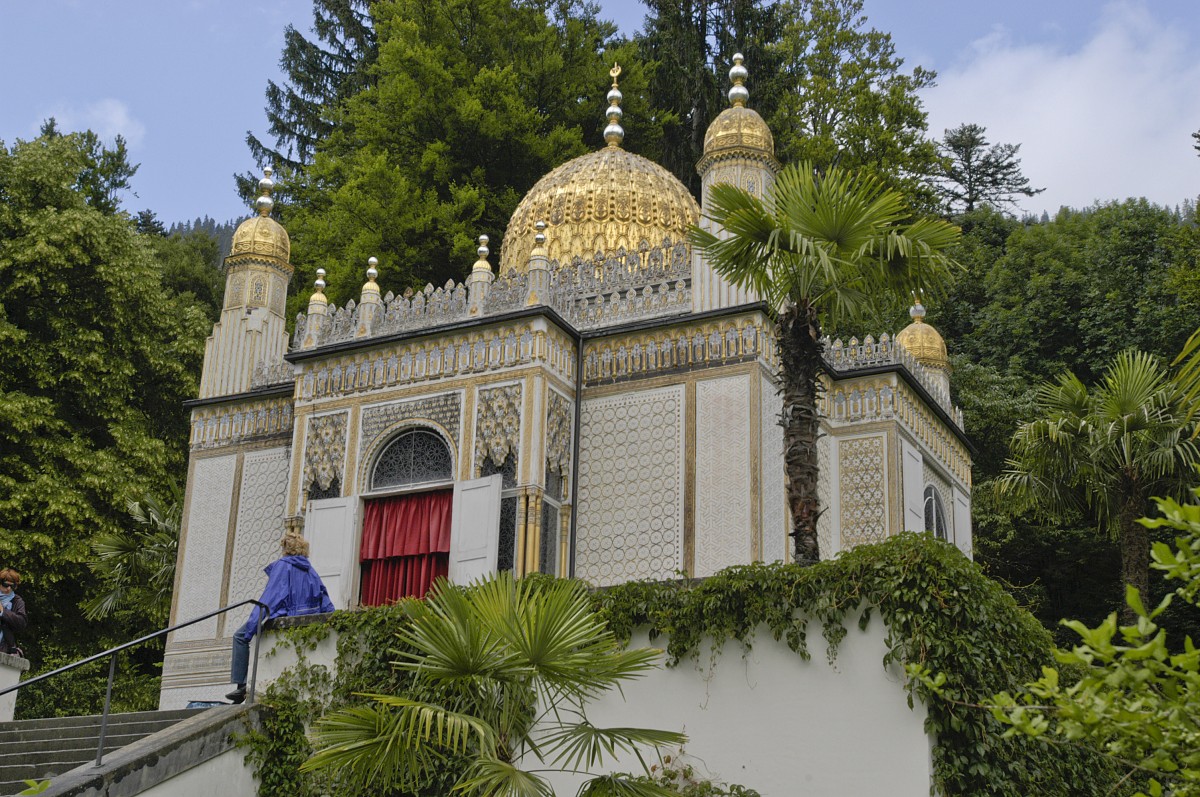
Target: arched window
(935,512)
(417,456)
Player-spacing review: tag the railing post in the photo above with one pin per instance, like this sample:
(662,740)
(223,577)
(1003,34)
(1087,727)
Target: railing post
(254,668)
(112,671)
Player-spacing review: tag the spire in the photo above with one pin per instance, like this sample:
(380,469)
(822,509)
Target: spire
(318,298)
(264,203)
(614,134)
(738,94)
(482,263)
(371,287)
(917,311)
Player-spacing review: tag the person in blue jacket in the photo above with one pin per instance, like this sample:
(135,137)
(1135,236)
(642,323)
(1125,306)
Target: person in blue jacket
(293,588)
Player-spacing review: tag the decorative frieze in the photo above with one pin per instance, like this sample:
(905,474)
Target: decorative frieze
(497,425)
(325,451)
(480,351)
(687,345)
(220,425)
(848,357)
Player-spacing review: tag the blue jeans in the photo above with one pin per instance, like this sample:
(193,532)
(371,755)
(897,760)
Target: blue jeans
(241,655)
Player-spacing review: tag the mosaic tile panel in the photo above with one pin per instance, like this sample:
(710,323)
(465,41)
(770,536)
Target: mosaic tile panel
(825,496)
(444,409)
(259,525)
(631,487)
(774,508)
(203,561)
(863,501)
(722,474)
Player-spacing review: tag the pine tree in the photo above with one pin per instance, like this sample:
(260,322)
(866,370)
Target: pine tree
(976,172)
(691,46)
(320,74)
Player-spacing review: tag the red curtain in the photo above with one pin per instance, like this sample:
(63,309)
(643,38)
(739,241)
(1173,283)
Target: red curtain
(405,545)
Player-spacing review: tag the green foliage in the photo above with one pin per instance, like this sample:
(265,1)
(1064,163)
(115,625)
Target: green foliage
(473,101)
(941,613)
(845,100)
(504,671)
(1105,451)
(35,787)
(976,173)
(96,355)
(676,774)
(136,568)
(1122,686)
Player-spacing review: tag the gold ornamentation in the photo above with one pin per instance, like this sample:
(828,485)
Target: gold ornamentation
(739,128)
(261,235)
(923,341)
(596,204)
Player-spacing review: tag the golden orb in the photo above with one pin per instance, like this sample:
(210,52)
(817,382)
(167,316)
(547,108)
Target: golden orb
(261,236)
(924,342)
(598,203)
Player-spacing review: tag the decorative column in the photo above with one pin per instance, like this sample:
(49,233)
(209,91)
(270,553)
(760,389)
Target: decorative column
(539,269)
(369,303)
(318,309)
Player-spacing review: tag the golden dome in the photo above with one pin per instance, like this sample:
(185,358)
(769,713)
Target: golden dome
(924,342)
(599,202)
(739,127)
(261,235)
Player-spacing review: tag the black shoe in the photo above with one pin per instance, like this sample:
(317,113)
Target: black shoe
(237,695)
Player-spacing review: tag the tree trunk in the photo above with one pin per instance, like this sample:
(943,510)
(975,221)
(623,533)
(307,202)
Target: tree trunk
(799,334)
(1135,554)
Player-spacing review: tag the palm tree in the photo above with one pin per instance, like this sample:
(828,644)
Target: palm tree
(503,671)
(1107,450)
(821,249)
(137,566)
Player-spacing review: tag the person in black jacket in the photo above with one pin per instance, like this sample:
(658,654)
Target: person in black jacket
(12,611)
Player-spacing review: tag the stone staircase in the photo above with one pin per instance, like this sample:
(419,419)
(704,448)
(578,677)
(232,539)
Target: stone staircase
(45,748)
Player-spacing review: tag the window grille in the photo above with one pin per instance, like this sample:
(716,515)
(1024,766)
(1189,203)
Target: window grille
(935,512)
(506,558)
(416,456)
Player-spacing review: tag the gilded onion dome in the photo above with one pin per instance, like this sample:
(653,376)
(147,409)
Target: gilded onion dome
(261,235)
(739,127)
(598,203)
(924,342)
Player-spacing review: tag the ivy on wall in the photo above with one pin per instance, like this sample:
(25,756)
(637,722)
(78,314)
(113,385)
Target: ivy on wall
(939,609)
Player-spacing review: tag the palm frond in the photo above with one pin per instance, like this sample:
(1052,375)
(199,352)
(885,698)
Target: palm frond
(491,777)
(581,745)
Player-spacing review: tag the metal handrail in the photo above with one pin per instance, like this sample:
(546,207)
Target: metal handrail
(112,665)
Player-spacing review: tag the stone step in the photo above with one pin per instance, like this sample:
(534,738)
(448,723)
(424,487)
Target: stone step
(44,748)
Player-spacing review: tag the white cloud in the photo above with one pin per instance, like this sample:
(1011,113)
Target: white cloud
(108,118)
(1109,120)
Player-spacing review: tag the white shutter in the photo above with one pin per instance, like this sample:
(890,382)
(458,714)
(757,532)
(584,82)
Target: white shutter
(475,529)
(912,485)
(962,522)
(329,529)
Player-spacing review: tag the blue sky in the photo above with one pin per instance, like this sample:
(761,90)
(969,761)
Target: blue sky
(1101,95)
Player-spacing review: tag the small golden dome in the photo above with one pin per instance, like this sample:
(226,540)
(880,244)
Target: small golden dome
(924,342)
(739,128)
(261,235)
(599,202)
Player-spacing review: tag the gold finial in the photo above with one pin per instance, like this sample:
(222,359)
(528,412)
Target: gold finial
(614,134)
(372,268)
(482,263)
(917,311)
(319,297)
(264,203)
(738,94)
